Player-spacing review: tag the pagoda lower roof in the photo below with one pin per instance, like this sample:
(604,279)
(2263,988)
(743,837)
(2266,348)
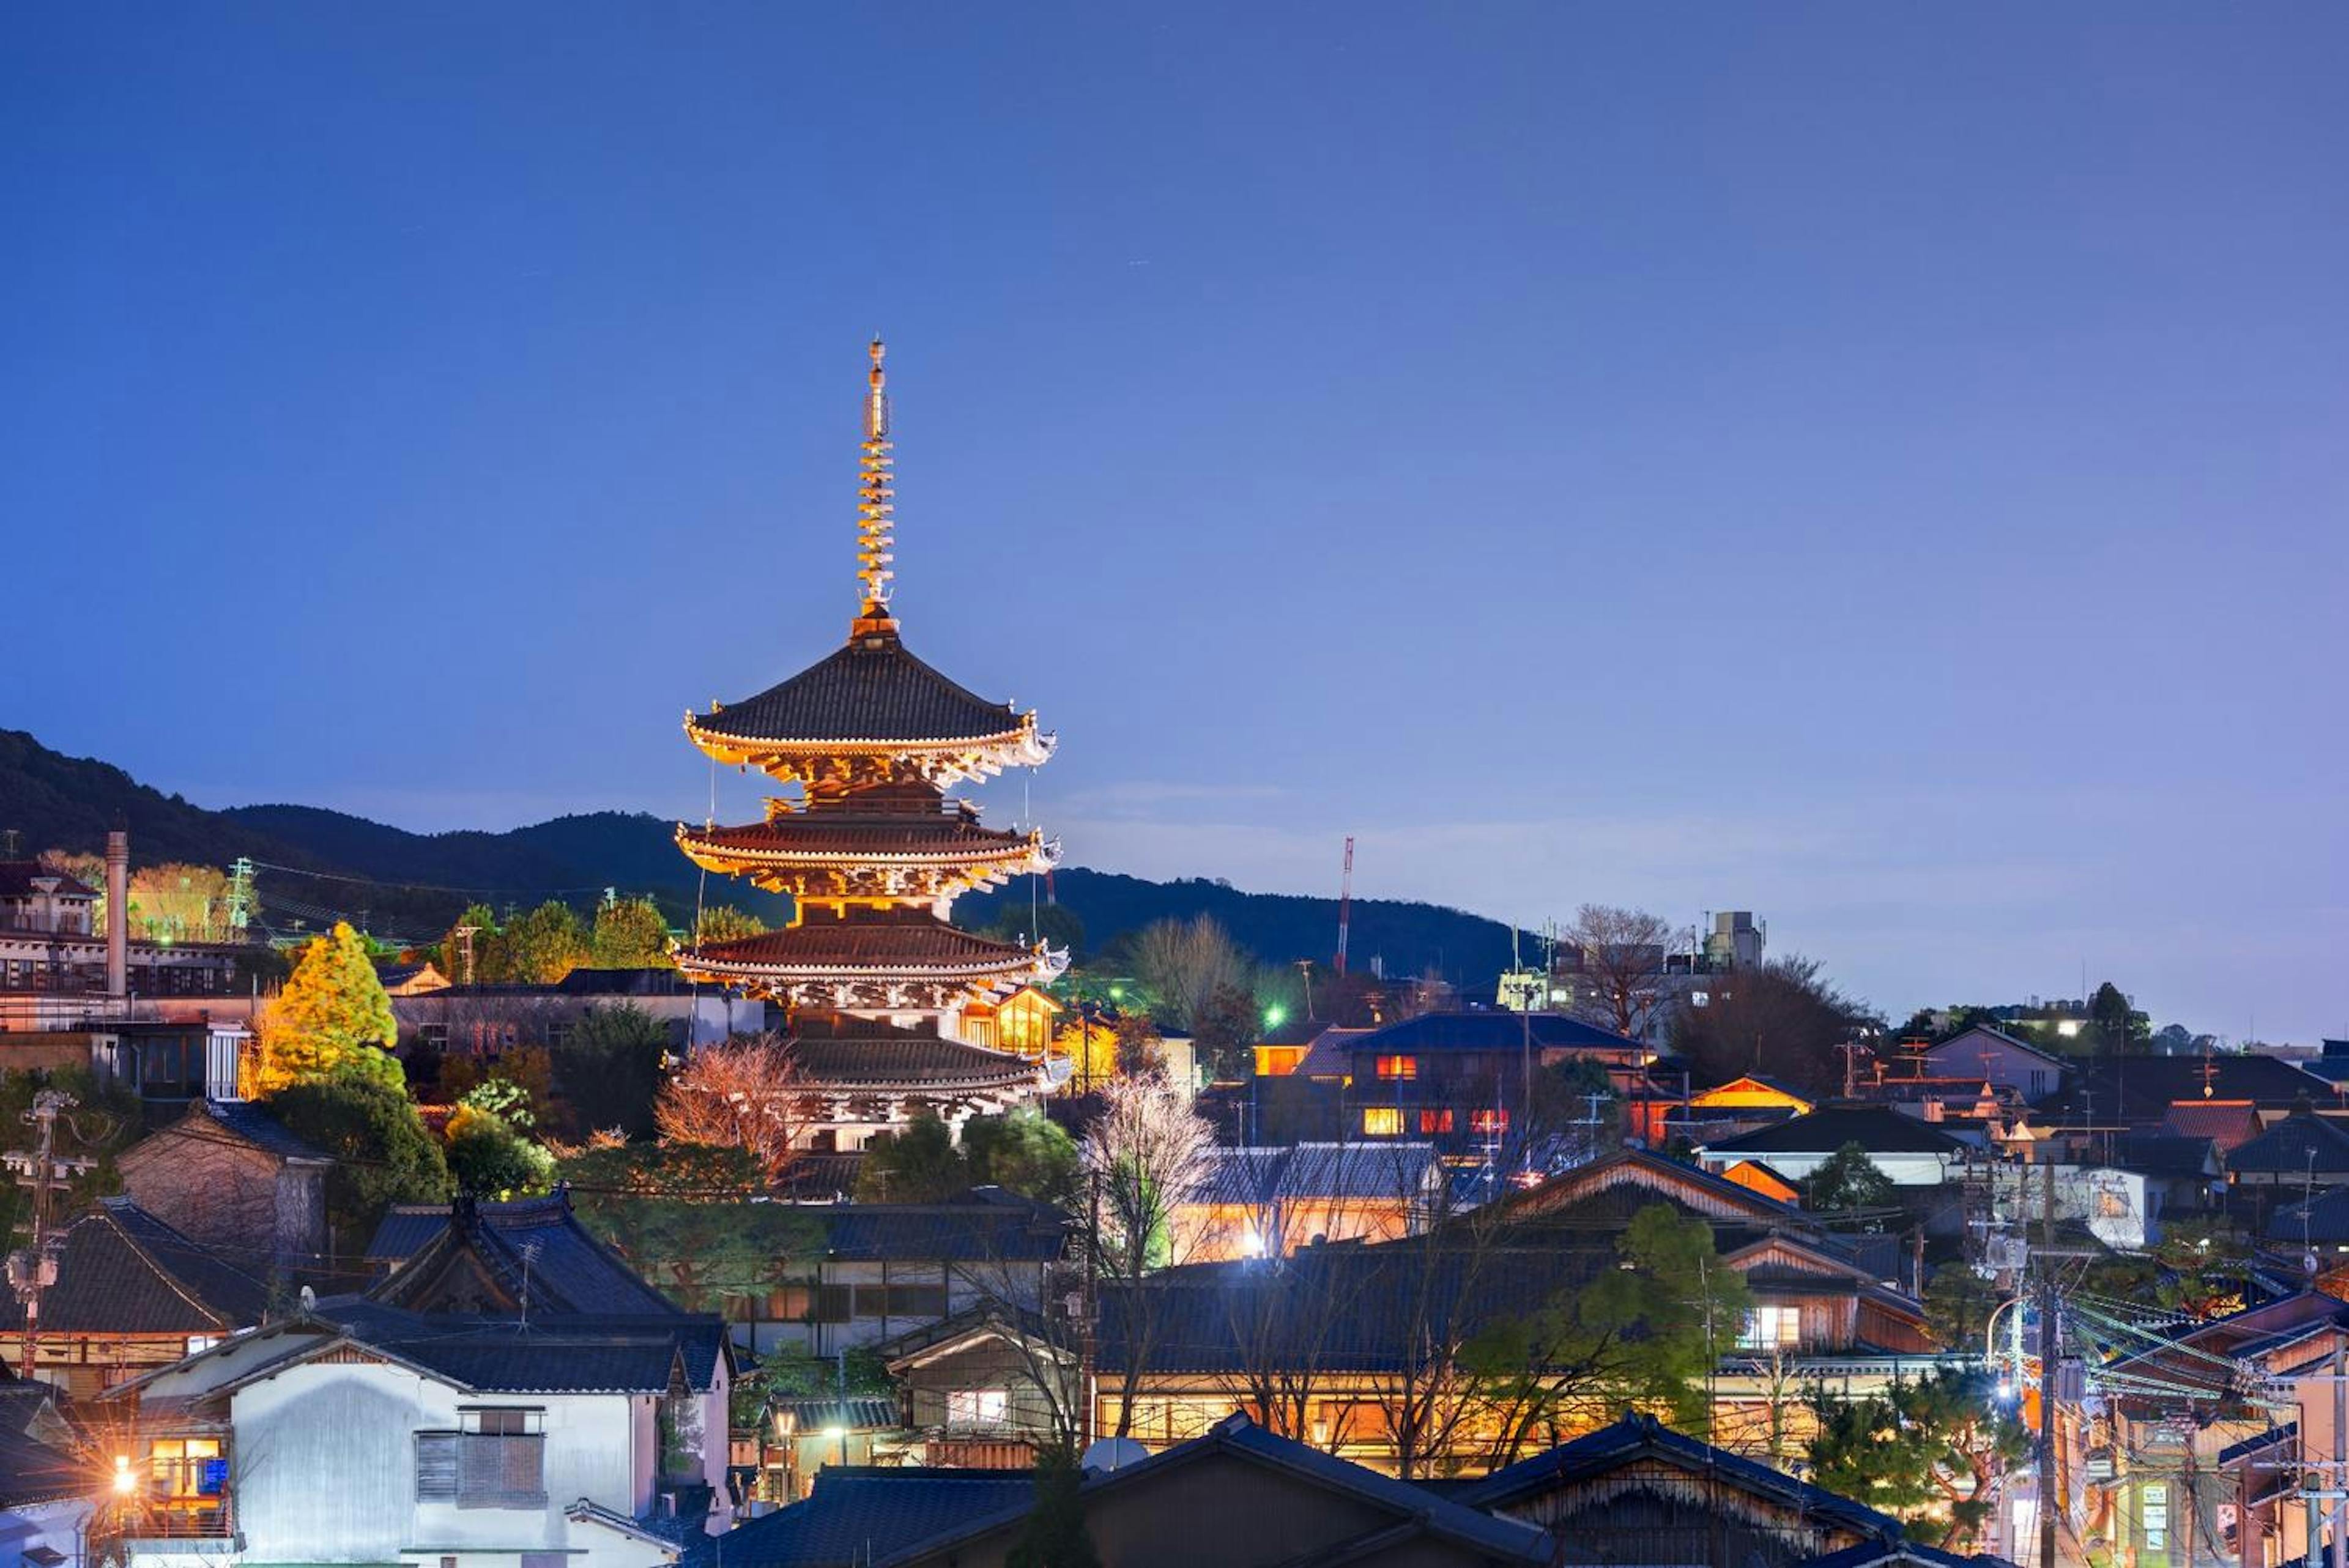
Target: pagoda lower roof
(854,1056)
(830,837)
(879,944)
(871,692)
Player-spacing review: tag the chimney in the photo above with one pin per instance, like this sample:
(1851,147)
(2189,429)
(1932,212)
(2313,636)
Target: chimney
(117,915)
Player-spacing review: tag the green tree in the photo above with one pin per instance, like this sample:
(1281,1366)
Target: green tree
(332,1018)
(489,1156)
(917,1163)
(1929,1452)
(725,923)
(382,1153)
(1847,1187)
(681,1216)
(631,933)
(488,965)
(543,945)
(1958,1305)
(2118,1026)
(104,1120)
(608,1068)
(1054,1536)
(1022,1151)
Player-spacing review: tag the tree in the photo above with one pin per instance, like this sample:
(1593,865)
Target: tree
(103,1121)
(542,946)
(1184,964)
(1623,954)
(382,1153)
(487,1156)
(681,1215)
(608,1068)
(1930,1452)
(725,923)
(1783,1019)
(1022,1151)
(2119,1026)
(1847,1186)
(332,1018)
(915,1163)
(1054,1536)
(1958,1306)
(743,1094)
(1147,1152)
(1055,925)
(469,953)
(176,903)
(630,934)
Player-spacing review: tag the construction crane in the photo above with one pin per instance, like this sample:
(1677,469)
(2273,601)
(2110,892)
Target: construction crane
(1345,904)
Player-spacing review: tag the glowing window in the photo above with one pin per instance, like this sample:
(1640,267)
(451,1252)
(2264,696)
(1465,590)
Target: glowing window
(1772,1328)
(976,1406)
(1398,1067)
(1436,1121)
(1489,1121)
(1381,1121)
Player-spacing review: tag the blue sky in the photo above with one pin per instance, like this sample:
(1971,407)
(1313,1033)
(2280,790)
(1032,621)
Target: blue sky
(1878,466)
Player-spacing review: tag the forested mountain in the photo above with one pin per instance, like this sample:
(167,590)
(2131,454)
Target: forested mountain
(317,863)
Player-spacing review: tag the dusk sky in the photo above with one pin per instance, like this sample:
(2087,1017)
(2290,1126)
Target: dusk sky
(1882,467)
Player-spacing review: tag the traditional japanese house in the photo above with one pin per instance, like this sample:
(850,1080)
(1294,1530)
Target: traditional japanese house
(872,848)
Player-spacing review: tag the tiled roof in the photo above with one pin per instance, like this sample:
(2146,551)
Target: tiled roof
(855,1415)
(1330,1055)
(33,1472)
(2227,1123)
(549,1354)
(1487,1032)
(1309,1170)
(2289,1146)
(884,941)
(1876,1129)
(255,1125)
(2323,1219)
(16,878)
(871,689)
(907,1060)
(122,1270)
(1007,1229)
(2168,1154)
(930,835)
(662,981)
(858,1514)
(2143,1087)
(1641,1440)
(537,1239)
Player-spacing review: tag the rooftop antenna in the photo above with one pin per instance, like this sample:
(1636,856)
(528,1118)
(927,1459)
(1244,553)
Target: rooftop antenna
(1345,906)
(529,1256)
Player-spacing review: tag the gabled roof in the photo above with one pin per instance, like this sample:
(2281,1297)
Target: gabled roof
(17,877)
(2000,1036)
(1480,1031)
(1642,1440)
(2226,1123)
(2289,1146)
(1698,1188)
(1879,1130)
(2323,1219)
(858,1514)
(2169,1154)
(638,981)
(872,689)
(122,1270)
(994,1227)
(239,1121)
(534,1244)
(33,1472)
(1412,1511)
(1253,1175)
(2142,1087)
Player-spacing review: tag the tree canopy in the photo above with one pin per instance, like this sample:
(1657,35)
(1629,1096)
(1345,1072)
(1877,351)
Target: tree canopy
(382,1153)
(1785,1019)
(1929,1452)
(1847,1186)
(1021,1152)
(608,1068)
(630,934)
(332,1018)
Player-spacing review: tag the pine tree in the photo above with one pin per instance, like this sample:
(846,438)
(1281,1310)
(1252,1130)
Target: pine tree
(630,934)
(333,1018)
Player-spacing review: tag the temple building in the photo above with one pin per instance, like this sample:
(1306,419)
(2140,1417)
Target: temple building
(874,851)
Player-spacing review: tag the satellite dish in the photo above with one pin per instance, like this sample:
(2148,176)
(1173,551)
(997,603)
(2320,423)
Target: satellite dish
(1114,1454)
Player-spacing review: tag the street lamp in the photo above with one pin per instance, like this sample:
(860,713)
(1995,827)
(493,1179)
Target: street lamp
(839,1435)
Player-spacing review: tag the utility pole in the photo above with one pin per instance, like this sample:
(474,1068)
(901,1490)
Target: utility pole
(33,1269)
(465,947)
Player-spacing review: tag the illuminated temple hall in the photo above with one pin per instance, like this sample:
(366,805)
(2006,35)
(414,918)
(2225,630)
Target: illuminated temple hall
(874,851)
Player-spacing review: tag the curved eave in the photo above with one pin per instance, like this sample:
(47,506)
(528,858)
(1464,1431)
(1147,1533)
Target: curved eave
(1047,962)
(847,1087)
(1023,745)
(1033,853)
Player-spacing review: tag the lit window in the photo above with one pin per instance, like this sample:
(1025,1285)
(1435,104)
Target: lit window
(1436,1121)
(1772,1328)
(976,1406)
(1489,1121)
(1398,1067)
(1381,1121)
(2111,1204)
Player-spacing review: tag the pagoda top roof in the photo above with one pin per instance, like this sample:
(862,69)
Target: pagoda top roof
(872,691)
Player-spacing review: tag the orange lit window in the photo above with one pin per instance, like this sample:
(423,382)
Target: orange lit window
(1381,1121)
(1490,1121)
(1398,1067)
(1436,1121)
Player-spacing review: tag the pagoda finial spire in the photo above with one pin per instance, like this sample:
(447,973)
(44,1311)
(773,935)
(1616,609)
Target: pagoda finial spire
(874,525)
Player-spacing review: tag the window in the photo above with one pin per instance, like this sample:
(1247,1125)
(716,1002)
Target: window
(1772,1328)
(436,1036)
(1436,1121)
(976,1406)
(1489,1121)
(2038,1082)
(2111,1203)
(1381,1121)
(188,1474)
(1398,1067)
(498,1459)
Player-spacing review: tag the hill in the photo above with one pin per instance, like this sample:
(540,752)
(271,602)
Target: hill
(316,864)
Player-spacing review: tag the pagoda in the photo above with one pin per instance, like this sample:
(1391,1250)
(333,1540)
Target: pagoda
(873,850)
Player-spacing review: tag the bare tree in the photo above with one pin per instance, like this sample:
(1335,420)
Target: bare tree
(1184,963)
(1147,1154)
(744,1095)
(1622,956)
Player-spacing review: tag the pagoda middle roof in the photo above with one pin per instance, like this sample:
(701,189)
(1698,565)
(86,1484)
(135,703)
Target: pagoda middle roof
(871,691)
(878,834)
(883,942)
(848,1054)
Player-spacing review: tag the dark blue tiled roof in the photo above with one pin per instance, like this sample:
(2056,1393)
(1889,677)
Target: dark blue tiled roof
(1879,1130)
(858,1514)
(257,1126)
(1007,1231)
(2286,1147)
(567,1269)
(601,1354)
(122,1270)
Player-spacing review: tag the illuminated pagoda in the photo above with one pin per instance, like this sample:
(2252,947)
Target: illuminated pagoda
(874,851)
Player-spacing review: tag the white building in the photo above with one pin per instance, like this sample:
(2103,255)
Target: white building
(363,1434)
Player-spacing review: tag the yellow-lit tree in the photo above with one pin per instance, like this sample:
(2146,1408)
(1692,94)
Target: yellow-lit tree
(333,1018)
(630,934)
